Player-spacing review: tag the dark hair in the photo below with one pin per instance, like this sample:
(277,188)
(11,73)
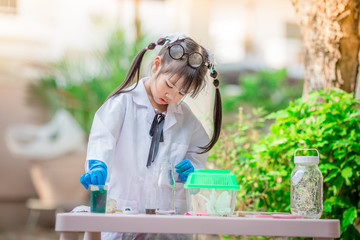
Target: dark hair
(195,77)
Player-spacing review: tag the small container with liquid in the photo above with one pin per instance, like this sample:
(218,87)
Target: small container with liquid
(306,187)
(98,195)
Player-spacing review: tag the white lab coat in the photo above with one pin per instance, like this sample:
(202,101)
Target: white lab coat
(120,138)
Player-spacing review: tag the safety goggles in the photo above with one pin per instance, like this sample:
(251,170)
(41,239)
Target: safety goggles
(194,59)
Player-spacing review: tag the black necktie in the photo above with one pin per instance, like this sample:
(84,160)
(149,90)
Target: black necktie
(156,131)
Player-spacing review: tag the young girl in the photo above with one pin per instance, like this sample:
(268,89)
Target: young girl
(145,123)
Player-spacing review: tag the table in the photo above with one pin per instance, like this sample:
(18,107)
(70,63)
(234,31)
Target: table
(69,224)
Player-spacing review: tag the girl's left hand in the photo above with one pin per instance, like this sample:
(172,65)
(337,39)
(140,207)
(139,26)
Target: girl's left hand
(184,168)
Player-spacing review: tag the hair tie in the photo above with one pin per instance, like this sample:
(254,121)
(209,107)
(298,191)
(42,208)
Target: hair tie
(161,41)
(151,46)
(213,74)
(216,83)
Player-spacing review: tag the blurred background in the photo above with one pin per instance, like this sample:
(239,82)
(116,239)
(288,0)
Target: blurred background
(65,54)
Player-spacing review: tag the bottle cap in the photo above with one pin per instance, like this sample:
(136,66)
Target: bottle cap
(307,159)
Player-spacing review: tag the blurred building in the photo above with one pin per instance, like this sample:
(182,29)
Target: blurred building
(243,34)
(33,33)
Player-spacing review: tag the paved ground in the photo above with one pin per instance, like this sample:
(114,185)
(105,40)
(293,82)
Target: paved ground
(49,234)
(32,234)
(27,234)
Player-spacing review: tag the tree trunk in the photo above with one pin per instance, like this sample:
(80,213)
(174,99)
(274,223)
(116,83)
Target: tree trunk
(332,41)
(137,19)
(357,87)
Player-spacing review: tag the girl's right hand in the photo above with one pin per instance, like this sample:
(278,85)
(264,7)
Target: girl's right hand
(96,175)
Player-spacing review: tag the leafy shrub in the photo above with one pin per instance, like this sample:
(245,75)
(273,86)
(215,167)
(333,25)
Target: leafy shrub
(70,85)
(267,89)
(326,120)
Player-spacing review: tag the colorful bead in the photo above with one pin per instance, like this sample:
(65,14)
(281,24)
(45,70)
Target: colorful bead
(213,74)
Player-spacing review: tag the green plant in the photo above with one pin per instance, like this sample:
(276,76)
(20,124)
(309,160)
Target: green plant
(75,85)
(234,150)
(271,90)
(326,120)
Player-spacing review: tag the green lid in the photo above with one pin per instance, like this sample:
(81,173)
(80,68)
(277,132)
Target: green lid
(209,178)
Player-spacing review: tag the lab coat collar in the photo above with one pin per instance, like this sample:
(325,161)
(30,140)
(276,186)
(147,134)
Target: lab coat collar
(139,94)
(140,98)
(170,118)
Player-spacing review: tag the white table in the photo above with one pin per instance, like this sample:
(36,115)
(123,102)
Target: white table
(69,224)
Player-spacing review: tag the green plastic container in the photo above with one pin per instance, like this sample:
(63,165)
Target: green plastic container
(211,192)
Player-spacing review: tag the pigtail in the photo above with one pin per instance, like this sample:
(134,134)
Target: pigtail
(217,114)
(133,74)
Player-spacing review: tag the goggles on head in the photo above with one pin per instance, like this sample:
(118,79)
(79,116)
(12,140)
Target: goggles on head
(194,59)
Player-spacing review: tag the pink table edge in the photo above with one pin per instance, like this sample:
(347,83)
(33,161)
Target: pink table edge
(90,222)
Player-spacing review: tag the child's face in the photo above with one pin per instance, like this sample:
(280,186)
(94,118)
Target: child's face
(166,91)
(164,88)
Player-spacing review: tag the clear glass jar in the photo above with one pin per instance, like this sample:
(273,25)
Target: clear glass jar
(306,191)
(167,189)
(160,189)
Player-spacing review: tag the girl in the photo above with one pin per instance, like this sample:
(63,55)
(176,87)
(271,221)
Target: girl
(145,123)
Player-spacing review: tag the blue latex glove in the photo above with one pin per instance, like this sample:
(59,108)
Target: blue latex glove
(96,175)
(184,168)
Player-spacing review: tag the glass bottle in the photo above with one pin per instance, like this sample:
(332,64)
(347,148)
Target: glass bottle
(160,189)
(151,189)
(166,189)
(306,191)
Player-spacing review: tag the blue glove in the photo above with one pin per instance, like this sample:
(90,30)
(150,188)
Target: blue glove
(96,175)
(184,168)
